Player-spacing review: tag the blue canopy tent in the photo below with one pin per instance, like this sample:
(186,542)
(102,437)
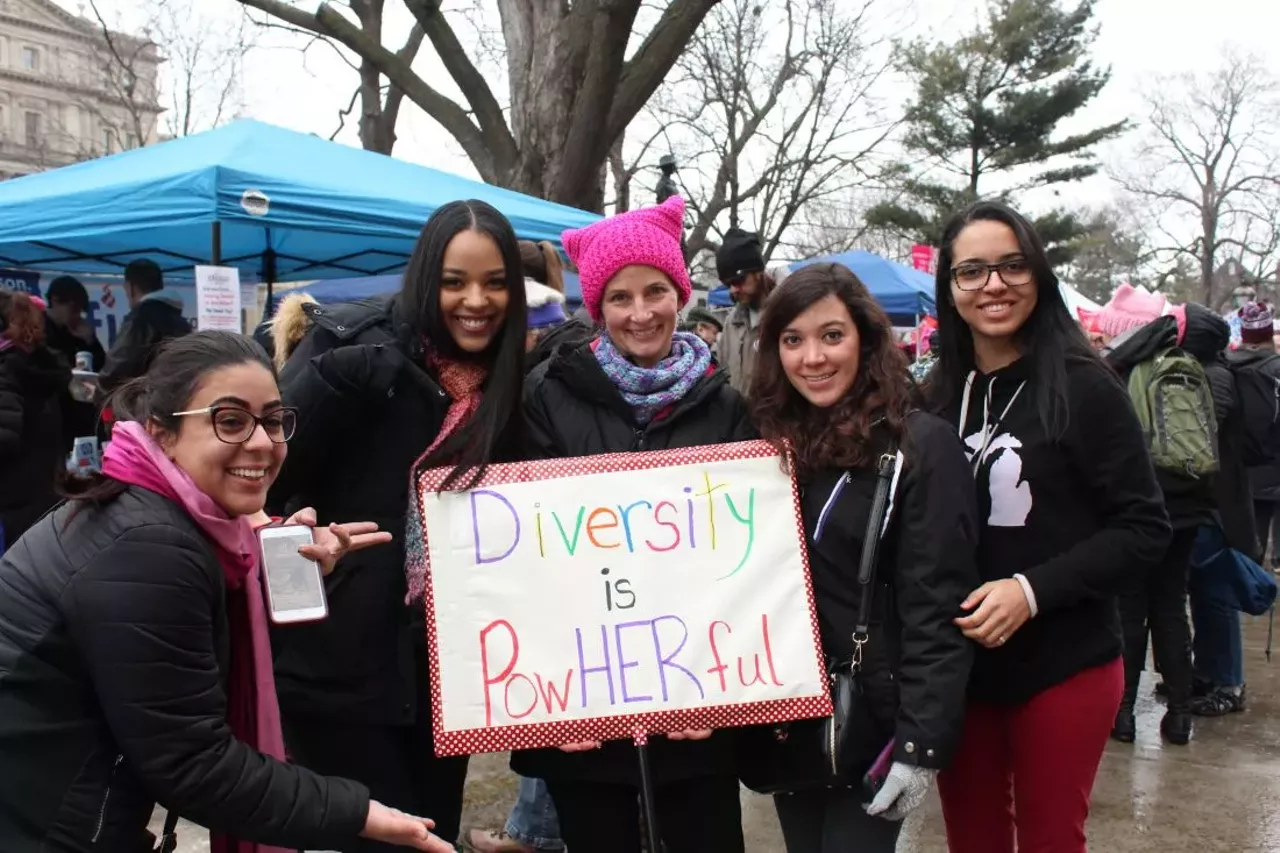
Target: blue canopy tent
(276,203)
(351,289)
(904,293)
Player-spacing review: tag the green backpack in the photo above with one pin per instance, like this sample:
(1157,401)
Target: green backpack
(1174,403)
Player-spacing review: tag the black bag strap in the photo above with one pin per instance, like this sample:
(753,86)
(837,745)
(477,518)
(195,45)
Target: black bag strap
(169,840)
(887,472)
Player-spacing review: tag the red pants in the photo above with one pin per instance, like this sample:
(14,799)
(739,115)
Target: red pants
(1039,760)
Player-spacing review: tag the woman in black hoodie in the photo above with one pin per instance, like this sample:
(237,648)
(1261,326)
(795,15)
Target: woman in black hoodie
(1072,517)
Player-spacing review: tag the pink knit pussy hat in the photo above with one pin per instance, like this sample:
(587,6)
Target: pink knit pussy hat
(1130,308)
(649,237)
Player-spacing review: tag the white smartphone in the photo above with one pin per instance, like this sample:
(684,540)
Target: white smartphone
(295,588)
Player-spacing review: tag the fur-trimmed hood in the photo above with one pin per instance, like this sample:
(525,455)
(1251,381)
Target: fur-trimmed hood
(289,326)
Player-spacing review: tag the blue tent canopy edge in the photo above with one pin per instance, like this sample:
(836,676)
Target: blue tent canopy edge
(276,203)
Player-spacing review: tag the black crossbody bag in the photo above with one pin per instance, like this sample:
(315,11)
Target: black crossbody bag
(829,752)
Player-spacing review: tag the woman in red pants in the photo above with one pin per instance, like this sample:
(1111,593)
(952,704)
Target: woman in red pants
(1072,517)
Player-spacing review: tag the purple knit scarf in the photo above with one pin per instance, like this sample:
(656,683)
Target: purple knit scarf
(649,390)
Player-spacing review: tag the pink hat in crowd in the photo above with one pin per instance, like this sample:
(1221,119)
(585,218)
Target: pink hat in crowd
(648,237)
(1257,323)
(1130,308)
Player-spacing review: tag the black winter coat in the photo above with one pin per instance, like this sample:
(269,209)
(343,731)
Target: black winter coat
(1207,337)
(917,661)
(113,654)
(34,440)
(367,411)
(1264,480)
(156,319)
(62,340)
(572,409)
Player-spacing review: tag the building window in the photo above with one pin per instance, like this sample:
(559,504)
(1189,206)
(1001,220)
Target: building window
(108,140)
(30,59)
(33,129)
(130,141)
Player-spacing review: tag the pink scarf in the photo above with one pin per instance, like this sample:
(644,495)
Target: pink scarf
(133,457)
(463,383)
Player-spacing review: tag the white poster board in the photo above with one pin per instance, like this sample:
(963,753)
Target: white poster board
(218,299)
(615,596)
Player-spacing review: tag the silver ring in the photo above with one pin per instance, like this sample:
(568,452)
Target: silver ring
(1000,641)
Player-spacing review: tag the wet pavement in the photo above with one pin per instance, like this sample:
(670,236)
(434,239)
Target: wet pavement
(1220,794)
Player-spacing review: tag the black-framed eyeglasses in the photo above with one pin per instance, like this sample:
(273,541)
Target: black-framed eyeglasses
(1014,272)
(735,281)
(234,425)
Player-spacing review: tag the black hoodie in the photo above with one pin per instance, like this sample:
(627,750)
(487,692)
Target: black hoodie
(1080,518)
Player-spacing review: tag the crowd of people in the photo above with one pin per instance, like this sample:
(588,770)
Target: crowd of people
(1043,520)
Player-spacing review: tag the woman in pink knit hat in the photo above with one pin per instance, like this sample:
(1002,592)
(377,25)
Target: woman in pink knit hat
(639,385)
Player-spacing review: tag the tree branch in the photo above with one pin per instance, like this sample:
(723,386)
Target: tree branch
(646,69)
(488,112)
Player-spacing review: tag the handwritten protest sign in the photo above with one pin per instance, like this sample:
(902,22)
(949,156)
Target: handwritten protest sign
(601,597)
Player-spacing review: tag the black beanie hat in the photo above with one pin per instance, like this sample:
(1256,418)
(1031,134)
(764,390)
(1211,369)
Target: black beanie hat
(739,254)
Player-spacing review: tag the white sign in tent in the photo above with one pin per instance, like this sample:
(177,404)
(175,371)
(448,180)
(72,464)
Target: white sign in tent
(617,596)
(218,299)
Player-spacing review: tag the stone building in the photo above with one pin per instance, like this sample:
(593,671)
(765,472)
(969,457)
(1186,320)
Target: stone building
(69,90)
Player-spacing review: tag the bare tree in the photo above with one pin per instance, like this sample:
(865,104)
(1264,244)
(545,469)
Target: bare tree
(1113,250)
(1208,170)
(186,65)
(573,85)
(379,101)
(771,111)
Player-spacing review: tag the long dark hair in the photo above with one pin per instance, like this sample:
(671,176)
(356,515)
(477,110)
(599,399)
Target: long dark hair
(180,366)
(496,422)
(839,436)
(1049,338)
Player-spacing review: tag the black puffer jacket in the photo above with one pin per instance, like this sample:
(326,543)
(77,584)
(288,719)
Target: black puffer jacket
(367,411)
(917,662)
(113,654)
(1207,336)
(34,440)
(572,409)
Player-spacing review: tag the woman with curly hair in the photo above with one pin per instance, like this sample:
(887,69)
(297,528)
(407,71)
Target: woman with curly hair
(831,385)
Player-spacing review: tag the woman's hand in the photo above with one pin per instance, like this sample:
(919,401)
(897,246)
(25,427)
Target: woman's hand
(395,827)
(580,746)
(689,734)
(1002,609)
(337,540)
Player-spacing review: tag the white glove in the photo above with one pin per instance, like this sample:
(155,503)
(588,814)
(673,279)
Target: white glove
(903,790)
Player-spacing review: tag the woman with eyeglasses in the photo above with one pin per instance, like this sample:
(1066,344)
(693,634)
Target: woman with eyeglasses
(135,664)
(429,376)
(1071,516)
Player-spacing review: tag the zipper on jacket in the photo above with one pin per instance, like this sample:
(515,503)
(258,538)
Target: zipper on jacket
(831,502)
(106,797)
(637,440)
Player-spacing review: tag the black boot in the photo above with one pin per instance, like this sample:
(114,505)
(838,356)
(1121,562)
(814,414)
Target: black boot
(1125,728)
(1176,726)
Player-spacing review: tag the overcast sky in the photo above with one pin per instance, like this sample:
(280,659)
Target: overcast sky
(1140,39)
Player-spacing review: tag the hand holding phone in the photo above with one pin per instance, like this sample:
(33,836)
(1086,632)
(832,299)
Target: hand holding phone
(334,542)
(295,591)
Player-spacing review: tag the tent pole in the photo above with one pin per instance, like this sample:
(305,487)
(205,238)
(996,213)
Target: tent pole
(216,254)
(269,275)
